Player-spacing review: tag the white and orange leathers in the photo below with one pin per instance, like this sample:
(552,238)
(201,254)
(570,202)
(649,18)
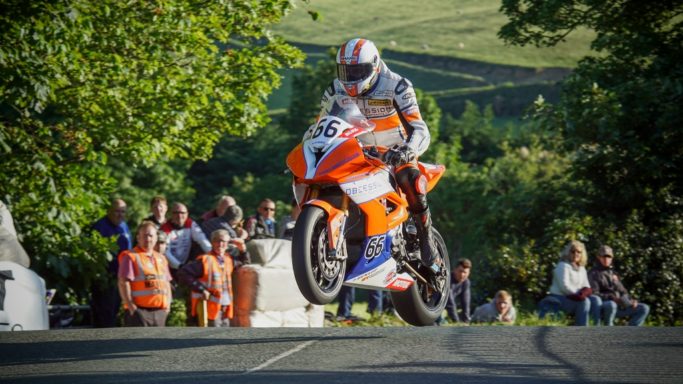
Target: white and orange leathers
(390,104)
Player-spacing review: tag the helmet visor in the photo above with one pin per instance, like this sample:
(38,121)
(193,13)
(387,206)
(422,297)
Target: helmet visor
(351,73)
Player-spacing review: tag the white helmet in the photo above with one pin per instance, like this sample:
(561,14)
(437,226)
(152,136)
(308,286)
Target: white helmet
(358,66)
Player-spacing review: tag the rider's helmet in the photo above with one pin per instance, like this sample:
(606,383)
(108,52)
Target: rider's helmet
(358,66)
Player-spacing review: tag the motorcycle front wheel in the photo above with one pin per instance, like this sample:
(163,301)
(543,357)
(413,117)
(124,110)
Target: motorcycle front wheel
(318,274)
(420,305)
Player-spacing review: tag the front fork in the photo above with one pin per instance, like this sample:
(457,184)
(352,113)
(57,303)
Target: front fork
(336,223)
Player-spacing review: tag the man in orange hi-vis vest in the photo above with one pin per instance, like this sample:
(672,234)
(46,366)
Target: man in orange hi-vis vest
(144,281)
(210,277)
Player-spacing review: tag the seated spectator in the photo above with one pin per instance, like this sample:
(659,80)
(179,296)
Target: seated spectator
(181,231)
(210,278)
(286,230)
(500,309)
(570,287)
(158,206)
(144,281)
(616,301)
(223,203)
(262,224)
(458,304)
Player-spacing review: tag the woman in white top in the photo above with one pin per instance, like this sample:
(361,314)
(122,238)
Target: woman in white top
(570,284)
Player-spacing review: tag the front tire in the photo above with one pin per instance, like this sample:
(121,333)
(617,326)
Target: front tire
(318,276)
(415,305)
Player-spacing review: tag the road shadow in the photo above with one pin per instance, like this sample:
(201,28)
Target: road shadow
(12,354)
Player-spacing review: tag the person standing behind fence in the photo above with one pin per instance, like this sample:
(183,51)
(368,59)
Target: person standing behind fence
(181,231)
(210,278)
(158,206)
(223,203)
(262,224)
(144,281)
(105,300)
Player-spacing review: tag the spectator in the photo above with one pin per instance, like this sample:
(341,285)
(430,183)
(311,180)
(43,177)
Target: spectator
(616,301)
(500,309)
(162,243)
(236,221)
(228,221)
(262,224)
(159,207)
(570,285)
(286,230)
(144,281)
(210,277)
(181,231)
(458,304)
(105,299)
(223,203)
(231,221)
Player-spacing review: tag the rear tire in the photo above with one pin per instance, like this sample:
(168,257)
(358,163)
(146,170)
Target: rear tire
(411,304)
(319,278)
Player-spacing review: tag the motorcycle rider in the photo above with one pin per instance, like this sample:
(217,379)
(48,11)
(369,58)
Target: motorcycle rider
(388,100)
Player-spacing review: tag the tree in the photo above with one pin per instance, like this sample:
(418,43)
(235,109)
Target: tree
(83,83)
(620,118)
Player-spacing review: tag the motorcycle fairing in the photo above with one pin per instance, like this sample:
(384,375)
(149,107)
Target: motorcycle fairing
(432,172)
(335,221)
(377,272)
(368,186)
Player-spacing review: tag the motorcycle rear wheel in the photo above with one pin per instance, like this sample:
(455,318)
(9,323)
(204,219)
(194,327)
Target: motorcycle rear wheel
(414,305)
(318,276)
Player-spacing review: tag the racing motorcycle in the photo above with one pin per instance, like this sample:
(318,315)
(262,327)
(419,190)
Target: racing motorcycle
(354,228)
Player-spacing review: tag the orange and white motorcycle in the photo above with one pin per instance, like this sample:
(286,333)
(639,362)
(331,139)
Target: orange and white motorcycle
(354,227)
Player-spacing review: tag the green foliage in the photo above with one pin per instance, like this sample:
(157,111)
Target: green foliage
(137,186)
(253,168)
(430,111)
(620,118)
(85,85)
(178,315)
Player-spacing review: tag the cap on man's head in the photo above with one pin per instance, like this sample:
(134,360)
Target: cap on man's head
(605,250)
(161,237)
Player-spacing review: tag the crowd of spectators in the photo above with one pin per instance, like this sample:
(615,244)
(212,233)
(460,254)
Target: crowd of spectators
(596,296)
(177,258)
(193,261)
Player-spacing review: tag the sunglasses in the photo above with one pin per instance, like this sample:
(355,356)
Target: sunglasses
(268,209)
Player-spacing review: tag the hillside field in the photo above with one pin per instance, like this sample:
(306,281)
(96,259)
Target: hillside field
(449,49)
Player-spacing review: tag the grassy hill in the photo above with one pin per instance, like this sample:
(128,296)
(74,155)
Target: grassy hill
(449,49)
(463,29)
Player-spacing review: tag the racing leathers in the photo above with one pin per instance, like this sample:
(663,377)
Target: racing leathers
(392,106)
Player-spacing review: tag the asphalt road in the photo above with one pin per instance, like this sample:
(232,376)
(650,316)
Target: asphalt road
(342,355)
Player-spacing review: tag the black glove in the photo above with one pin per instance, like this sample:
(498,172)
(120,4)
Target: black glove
(399,155)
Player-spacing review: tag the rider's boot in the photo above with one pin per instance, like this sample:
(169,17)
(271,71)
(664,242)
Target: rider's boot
(428,251)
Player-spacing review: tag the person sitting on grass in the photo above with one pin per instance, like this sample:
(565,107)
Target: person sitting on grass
(500,309)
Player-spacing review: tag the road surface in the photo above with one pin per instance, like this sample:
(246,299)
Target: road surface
(477,354)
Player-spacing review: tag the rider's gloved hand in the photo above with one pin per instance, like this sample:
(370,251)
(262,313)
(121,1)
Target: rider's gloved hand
(399,155)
